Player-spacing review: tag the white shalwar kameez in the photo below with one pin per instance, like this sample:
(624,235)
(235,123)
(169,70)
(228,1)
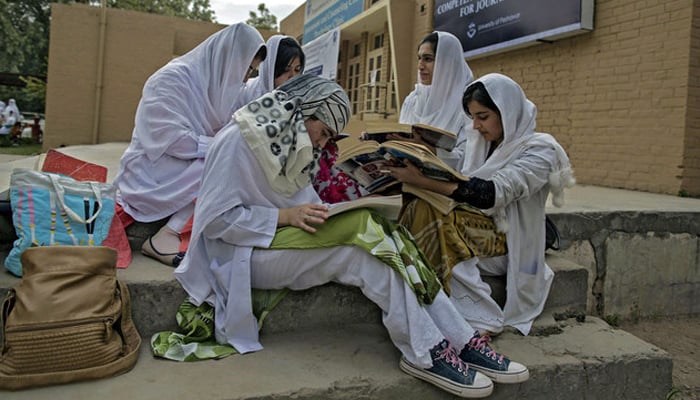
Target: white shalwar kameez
(524,168)
(184,104)
(440,103)
(236,220)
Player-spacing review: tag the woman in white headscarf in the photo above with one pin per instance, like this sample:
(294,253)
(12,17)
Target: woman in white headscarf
(285,60)
(183,105)
(268,229)
(443,74)
(12,106)
(512,170)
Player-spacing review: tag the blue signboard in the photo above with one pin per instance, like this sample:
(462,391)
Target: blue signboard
(323,15)
(488,26)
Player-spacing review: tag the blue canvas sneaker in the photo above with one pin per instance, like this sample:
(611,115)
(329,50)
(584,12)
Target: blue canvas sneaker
(480,356)
(449,373)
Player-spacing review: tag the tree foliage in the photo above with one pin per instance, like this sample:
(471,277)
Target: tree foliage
(24,38)
(263,21)
(198,10)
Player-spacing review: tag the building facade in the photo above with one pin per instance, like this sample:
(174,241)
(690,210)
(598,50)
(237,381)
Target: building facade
(99,60)
(623,99)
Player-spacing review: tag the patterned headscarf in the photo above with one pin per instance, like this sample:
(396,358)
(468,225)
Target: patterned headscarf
(273,126)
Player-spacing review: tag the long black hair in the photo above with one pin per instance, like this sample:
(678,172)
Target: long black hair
(287,50)
(477,92)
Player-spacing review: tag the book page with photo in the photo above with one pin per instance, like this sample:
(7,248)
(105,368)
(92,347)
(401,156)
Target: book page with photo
(434,136)
(365,161)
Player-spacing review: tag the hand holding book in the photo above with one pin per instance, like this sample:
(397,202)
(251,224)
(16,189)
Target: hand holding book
(365,161)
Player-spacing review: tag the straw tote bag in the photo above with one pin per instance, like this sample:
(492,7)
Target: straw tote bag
(69,319)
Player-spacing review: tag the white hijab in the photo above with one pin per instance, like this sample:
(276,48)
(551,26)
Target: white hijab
(203,86)
(518,116)
(440,104)
(11,106)
(265,81)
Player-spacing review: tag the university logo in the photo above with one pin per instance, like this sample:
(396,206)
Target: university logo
(471,32)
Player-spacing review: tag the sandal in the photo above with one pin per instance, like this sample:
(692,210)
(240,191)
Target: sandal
(169,259)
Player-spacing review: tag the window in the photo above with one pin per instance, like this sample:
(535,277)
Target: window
(352,82)
(378,41)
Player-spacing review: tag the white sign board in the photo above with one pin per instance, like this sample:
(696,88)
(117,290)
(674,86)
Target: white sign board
(322,55)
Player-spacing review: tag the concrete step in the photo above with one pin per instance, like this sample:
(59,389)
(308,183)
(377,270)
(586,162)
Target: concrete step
(585,360)
(156,296)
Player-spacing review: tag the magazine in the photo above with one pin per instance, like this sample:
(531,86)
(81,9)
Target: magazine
(365,161)
(432,135)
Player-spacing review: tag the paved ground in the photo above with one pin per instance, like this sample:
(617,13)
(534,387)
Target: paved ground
(680,337)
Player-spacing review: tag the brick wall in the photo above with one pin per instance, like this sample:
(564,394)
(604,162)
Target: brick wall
(691,161)
(618,98)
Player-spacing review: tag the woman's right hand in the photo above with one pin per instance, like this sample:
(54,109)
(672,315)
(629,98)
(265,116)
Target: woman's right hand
(303,216)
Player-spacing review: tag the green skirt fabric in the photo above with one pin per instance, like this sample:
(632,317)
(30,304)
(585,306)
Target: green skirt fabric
(389,242)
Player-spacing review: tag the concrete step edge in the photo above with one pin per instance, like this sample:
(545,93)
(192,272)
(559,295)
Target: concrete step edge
(585,360)
(156,296)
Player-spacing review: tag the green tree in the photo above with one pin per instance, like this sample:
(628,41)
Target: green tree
(263,21)
(24,43)
(198,10)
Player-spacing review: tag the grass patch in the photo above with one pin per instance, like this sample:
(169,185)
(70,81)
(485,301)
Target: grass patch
(23,150)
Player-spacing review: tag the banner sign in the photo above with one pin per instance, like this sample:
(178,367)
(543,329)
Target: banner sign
(323,15)
(322,55)
(488,26)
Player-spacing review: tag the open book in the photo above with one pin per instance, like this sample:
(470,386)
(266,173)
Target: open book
(387,206)
(365,161)
(430,134)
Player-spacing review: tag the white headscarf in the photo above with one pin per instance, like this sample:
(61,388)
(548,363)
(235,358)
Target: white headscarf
(273,126)
(183,105)
(203,85)
(440,103)
(265,81)
(11,106)
(518,116)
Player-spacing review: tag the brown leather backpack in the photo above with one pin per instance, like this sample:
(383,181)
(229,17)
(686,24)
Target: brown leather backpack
(69,319)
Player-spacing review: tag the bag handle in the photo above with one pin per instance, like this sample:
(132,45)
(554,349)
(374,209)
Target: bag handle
(60,192)
(7,306)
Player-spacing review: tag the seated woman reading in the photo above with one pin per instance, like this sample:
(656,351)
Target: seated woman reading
(262,225)
(512,169)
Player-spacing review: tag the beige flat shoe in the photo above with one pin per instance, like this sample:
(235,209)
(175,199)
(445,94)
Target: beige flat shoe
(169,259)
